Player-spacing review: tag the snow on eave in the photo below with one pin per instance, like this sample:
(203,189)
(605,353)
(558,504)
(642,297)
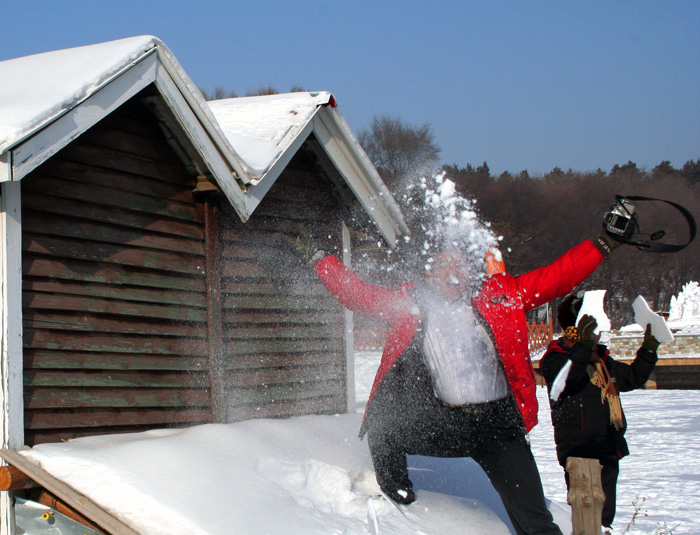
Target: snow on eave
(38,89)
(80,86)
(268,130)
(264,128)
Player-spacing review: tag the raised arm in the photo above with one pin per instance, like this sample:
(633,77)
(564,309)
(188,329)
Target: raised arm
(541,285)
(358,295)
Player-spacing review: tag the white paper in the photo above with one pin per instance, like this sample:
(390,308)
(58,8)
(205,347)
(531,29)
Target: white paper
(593,305)
(643,315)
(560,382)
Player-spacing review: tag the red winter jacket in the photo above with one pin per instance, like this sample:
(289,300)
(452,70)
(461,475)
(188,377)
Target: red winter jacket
(502,303)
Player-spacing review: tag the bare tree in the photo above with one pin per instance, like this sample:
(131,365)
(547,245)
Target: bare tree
(218,93)
(262,90)
(398,149)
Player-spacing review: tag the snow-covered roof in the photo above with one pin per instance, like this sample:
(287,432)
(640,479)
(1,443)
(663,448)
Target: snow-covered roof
(47,100)
(37,89)
(263,127)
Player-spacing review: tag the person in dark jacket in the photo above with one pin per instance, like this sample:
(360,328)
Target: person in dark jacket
(586,413)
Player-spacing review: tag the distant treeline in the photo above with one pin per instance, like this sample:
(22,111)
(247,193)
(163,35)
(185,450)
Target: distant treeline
(540,217)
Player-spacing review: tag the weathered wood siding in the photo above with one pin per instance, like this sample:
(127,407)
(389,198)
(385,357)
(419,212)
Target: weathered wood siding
(282,329)
(120,307)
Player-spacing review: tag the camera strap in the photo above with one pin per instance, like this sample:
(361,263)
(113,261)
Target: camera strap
(655,246)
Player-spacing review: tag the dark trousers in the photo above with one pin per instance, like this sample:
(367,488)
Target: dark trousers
(490,433)
(608,480)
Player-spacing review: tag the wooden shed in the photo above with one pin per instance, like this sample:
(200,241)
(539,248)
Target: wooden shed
(143,282)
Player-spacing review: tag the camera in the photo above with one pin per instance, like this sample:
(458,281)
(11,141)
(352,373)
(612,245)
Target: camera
(619,220)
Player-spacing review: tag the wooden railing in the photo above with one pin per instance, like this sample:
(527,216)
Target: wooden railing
(539,337)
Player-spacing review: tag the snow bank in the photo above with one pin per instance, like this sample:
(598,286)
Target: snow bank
(301,476)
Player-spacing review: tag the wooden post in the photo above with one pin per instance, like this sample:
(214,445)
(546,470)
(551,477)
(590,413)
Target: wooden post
(214,311)
(13,479)
(585,495)
(349,329)
(11,375)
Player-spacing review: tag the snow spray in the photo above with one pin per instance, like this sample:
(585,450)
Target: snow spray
(446,221)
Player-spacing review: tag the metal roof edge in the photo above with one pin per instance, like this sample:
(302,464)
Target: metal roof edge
(196,101)
(345,151)
(32,149)
(8,146)
(191,127)
(284,157)
(41,143)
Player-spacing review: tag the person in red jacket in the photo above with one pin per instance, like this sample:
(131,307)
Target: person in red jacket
(455,379)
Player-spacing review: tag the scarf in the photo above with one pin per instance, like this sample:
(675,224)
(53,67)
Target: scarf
(600,377)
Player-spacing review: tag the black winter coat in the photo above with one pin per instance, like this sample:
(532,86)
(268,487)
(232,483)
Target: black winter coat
(581,421)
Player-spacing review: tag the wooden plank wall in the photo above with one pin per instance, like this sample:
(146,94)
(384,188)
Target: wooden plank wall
(116,312)
(113,286)
(282,329)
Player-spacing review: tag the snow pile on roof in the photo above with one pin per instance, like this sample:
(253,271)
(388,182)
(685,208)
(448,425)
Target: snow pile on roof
(35,89)
(262,127)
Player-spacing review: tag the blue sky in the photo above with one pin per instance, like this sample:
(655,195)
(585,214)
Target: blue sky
(520,85)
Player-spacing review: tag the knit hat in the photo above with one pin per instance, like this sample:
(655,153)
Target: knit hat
(568,311)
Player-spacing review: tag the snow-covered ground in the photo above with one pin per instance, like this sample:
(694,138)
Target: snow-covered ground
(313,476)
(660,479)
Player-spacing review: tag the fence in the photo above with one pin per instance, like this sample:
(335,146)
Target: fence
(682,371)
(539,335)
(373,338)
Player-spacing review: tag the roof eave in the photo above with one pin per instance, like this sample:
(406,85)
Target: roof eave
(259,187)
(156,66)
(197,104)
(341,145)
(37,146)
(350,160)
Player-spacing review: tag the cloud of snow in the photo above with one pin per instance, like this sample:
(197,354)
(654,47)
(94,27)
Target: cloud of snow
(441,219)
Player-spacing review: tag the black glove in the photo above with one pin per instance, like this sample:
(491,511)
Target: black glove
(303,246)
(586,326)
(650,342)
(607,242)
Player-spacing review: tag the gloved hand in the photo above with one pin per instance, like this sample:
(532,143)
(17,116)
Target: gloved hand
(586,326)
(607,242)
(302,245)
(650,342)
